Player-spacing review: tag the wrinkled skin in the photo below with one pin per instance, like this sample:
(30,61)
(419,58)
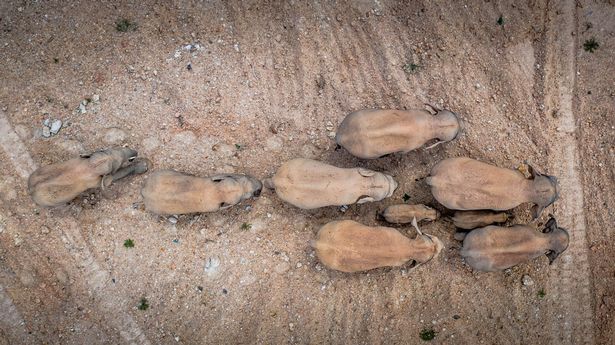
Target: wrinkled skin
(349,246)
(310,184)
(495,248)
(373,133)
(167,192)
(467,184)
(57,184)
(402,213)
(476,219)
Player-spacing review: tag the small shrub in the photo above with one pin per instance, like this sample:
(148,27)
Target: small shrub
(591,45)
(125,25)
(129,243)
(410,67)
(143,305)
(427,334)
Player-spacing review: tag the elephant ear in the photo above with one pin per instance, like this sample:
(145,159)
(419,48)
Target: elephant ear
(101,163)
(225,205)
(90,154)
(532,171)
(222,177)
(365,198)
(431,109)
(536,211)
(366,172)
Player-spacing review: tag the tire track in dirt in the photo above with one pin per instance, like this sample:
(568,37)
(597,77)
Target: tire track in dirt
(76,245)
(23,163)
(11,322)
(570,282)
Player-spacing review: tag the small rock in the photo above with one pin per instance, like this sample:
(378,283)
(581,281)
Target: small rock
(47,122)
(44,230)
(55,127)
(96,98)
(212,265)
(343,208)
(114,135)
(527,280)
(46,132)
(172,220)
(82,108)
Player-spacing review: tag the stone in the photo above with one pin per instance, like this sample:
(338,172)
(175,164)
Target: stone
(527,280)
(212,266)
(56,125)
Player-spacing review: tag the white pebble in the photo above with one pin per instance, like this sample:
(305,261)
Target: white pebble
(55,127)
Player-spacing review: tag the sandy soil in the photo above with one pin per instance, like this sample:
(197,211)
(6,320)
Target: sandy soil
(267,83)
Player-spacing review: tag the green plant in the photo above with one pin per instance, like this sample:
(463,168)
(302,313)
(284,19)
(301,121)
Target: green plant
(125,25)
(541,293)
(500,20)
(427,334)
(143,305)
(591,45)
(406,197)
(246,226)
(129,243)
(238,146)
(410,67)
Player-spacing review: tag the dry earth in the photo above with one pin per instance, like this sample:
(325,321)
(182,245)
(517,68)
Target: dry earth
(268,82)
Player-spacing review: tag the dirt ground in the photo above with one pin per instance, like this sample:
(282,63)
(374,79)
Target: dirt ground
(242,86)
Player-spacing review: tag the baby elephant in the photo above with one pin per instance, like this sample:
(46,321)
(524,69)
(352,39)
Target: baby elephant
(310,184)
(57,184)
(402,213)
(375,133)
(349,246)
(495,248)
(475,219)
(467,184)
(168,192)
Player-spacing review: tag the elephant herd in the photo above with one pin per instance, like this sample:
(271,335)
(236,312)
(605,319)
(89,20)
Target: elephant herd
(477,191)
